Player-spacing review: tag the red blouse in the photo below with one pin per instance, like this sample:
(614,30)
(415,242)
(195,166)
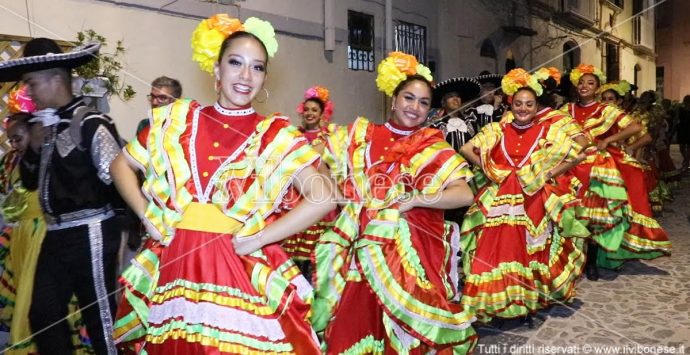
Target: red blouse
(383,137)
(516,145)
(220,132)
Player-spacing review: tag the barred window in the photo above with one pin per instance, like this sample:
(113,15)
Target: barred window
(612,62)
(360,49)
(411,39)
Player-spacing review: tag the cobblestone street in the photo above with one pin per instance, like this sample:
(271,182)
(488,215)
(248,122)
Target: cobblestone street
(638,310)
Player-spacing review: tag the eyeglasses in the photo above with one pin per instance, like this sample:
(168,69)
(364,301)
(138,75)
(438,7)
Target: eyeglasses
(152,97)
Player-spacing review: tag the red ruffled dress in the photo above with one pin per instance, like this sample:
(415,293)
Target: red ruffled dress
(300,247)
(519,238)
(188,292)
(386,280)
(623,225)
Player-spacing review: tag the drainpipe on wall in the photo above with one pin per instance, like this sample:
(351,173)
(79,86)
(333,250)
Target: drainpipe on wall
(388,14)
(329,25)
(389,26)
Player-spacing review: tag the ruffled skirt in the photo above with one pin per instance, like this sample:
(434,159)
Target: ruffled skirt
(520,252)
(196,296)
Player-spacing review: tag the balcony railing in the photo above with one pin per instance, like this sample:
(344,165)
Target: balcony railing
(643,33)
(579,13)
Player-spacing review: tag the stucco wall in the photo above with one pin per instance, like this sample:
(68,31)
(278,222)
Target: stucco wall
(158,44)
(673,45)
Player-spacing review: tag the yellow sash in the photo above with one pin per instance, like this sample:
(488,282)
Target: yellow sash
(206,217)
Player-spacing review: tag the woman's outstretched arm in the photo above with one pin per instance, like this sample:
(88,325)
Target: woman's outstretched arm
(317,201)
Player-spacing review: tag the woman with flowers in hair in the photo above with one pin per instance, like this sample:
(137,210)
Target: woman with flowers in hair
(386,272)
(638,145)
(614,196)
(550,78)
(519,238)
(222,187)
(316,111)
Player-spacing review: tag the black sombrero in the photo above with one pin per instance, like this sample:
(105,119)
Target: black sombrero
(487,78)
(467,88)
(44,53)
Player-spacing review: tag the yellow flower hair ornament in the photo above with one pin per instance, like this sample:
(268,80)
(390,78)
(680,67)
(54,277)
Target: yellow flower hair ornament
(520,78)
(583,69)
(396,68)
(544,73)
(209,35)
(620,87)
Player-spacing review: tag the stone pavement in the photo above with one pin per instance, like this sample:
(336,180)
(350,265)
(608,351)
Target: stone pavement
(640,309)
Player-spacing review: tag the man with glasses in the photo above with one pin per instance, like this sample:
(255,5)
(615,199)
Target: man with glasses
(164,91)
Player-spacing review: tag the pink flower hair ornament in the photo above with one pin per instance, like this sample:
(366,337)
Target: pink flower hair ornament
(321,93)
(18,101)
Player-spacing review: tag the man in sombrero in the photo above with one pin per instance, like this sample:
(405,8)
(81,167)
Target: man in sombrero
(490,107)
(69,163)
(452,96)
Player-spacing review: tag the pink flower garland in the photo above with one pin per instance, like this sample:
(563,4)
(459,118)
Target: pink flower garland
(322,94)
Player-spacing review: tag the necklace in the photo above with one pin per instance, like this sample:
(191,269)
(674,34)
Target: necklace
(588,104)
(524,126)
(398,131)
(229,112)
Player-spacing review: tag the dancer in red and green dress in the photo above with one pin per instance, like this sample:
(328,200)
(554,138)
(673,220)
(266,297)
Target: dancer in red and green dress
(387,273)
(316,111)
(519,238)
(222,188)
(614,193)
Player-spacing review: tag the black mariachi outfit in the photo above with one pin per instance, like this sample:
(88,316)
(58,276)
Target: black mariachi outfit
(79,253)
(458,130)
(483,114)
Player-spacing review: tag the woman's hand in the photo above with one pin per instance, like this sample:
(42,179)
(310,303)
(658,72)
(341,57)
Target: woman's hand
(603,144)
(407,202)
(247,245)
(630,151)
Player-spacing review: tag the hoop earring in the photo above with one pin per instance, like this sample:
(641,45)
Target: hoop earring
(264,100)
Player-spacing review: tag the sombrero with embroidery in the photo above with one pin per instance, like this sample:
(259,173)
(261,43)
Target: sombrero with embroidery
(487,78)
(44,53)
(466,88)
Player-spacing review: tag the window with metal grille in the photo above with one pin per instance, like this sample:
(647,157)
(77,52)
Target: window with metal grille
(360,49)
(612,62)
(411,39)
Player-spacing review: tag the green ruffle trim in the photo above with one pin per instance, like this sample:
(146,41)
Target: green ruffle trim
(607,229)
(226,337)
(368,345)
(140,288)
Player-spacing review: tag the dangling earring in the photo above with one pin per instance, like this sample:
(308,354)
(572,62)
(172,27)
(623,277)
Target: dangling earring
(264,100)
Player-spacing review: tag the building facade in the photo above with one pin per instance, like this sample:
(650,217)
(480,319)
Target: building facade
(616,36)
(338,43)
(673,47)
